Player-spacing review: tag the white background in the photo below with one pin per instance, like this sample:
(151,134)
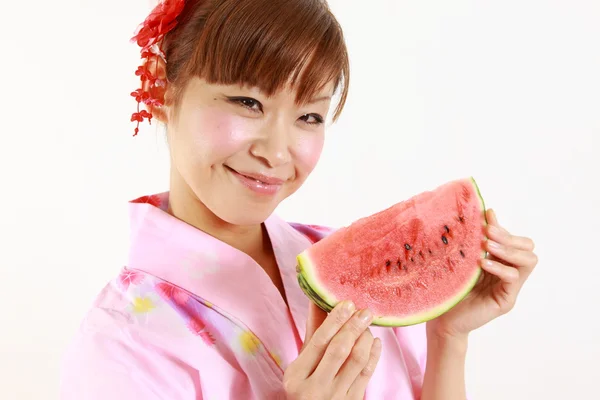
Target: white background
(506,91)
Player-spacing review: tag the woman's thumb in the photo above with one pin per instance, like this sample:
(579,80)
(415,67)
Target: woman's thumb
(316,316)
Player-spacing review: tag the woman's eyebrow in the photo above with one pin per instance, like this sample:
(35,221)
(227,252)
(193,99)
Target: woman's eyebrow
(316,100)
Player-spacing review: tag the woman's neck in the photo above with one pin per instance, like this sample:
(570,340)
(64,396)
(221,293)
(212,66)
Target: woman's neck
(252,240)
(185,205)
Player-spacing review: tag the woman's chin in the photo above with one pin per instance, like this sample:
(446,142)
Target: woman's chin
(237,204)
(245,216)
(243,210)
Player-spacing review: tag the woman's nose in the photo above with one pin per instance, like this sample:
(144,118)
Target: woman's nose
(273,147)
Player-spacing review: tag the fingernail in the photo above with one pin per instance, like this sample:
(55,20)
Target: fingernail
(495,230)
(494,245)
(348,308)
(490,266)
(376,343)
(365,316)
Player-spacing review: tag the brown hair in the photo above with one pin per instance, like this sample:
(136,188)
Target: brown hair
(262,43)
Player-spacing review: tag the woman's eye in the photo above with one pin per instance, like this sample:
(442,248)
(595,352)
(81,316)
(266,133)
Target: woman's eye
(316,119)
(248,103)
(255,106)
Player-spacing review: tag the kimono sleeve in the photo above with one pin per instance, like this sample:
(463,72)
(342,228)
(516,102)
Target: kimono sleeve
(120,364)
(413,342)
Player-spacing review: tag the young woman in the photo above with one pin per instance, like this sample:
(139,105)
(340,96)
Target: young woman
(208,306)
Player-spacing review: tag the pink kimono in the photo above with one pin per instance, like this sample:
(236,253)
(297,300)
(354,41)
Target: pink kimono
(190,317)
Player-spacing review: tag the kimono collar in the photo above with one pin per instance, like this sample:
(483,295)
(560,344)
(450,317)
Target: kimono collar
(217,273)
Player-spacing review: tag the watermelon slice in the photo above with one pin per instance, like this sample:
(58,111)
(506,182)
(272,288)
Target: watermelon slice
(409,263)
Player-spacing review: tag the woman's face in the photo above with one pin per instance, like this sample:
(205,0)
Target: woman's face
(241,153)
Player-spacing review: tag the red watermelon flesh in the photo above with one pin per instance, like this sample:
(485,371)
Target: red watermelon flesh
(409,263)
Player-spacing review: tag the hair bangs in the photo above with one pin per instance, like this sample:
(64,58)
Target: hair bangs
(272,44)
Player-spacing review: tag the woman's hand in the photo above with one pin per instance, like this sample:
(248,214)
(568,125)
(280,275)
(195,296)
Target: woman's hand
(511,262)
(338,358)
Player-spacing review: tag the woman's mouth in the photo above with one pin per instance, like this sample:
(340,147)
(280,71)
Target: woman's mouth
(258,183)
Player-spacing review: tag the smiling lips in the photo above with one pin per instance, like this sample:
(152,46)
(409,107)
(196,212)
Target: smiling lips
(258,183)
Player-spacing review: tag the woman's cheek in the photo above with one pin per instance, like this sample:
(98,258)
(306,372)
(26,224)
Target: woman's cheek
(222,133)
(308,151)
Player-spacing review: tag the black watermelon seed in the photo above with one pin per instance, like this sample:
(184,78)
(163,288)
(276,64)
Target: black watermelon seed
(444,239)
(412,259)
(388,263)
(461,218)
(447,229)
(429,250)
(399,263)
(407,246)
(462,254)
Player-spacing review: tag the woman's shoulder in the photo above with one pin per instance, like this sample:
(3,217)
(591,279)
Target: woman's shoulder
(124,338)
(135,305)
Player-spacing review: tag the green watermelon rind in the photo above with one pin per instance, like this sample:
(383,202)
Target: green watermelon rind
(327,302)
(306,288)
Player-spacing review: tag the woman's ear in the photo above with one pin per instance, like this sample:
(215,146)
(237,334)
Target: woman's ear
(158,69)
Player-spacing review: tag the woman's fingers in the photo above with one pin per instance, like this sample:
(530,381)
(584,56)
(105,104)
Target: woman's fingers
(356,361)
(506,291)
(341,346)
(318,342)
(509,275)
(504,237)
(314,320)
(511,249)
(341,341)
(359,386)
(496,232)
(522,259)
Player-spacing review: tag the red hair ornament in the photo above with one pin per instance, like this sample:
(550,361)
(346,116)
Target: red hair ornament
(148,36)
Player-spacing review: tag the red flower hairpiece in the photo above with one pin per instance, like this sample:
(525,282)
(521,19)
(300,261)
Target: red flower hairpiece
(148,36)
